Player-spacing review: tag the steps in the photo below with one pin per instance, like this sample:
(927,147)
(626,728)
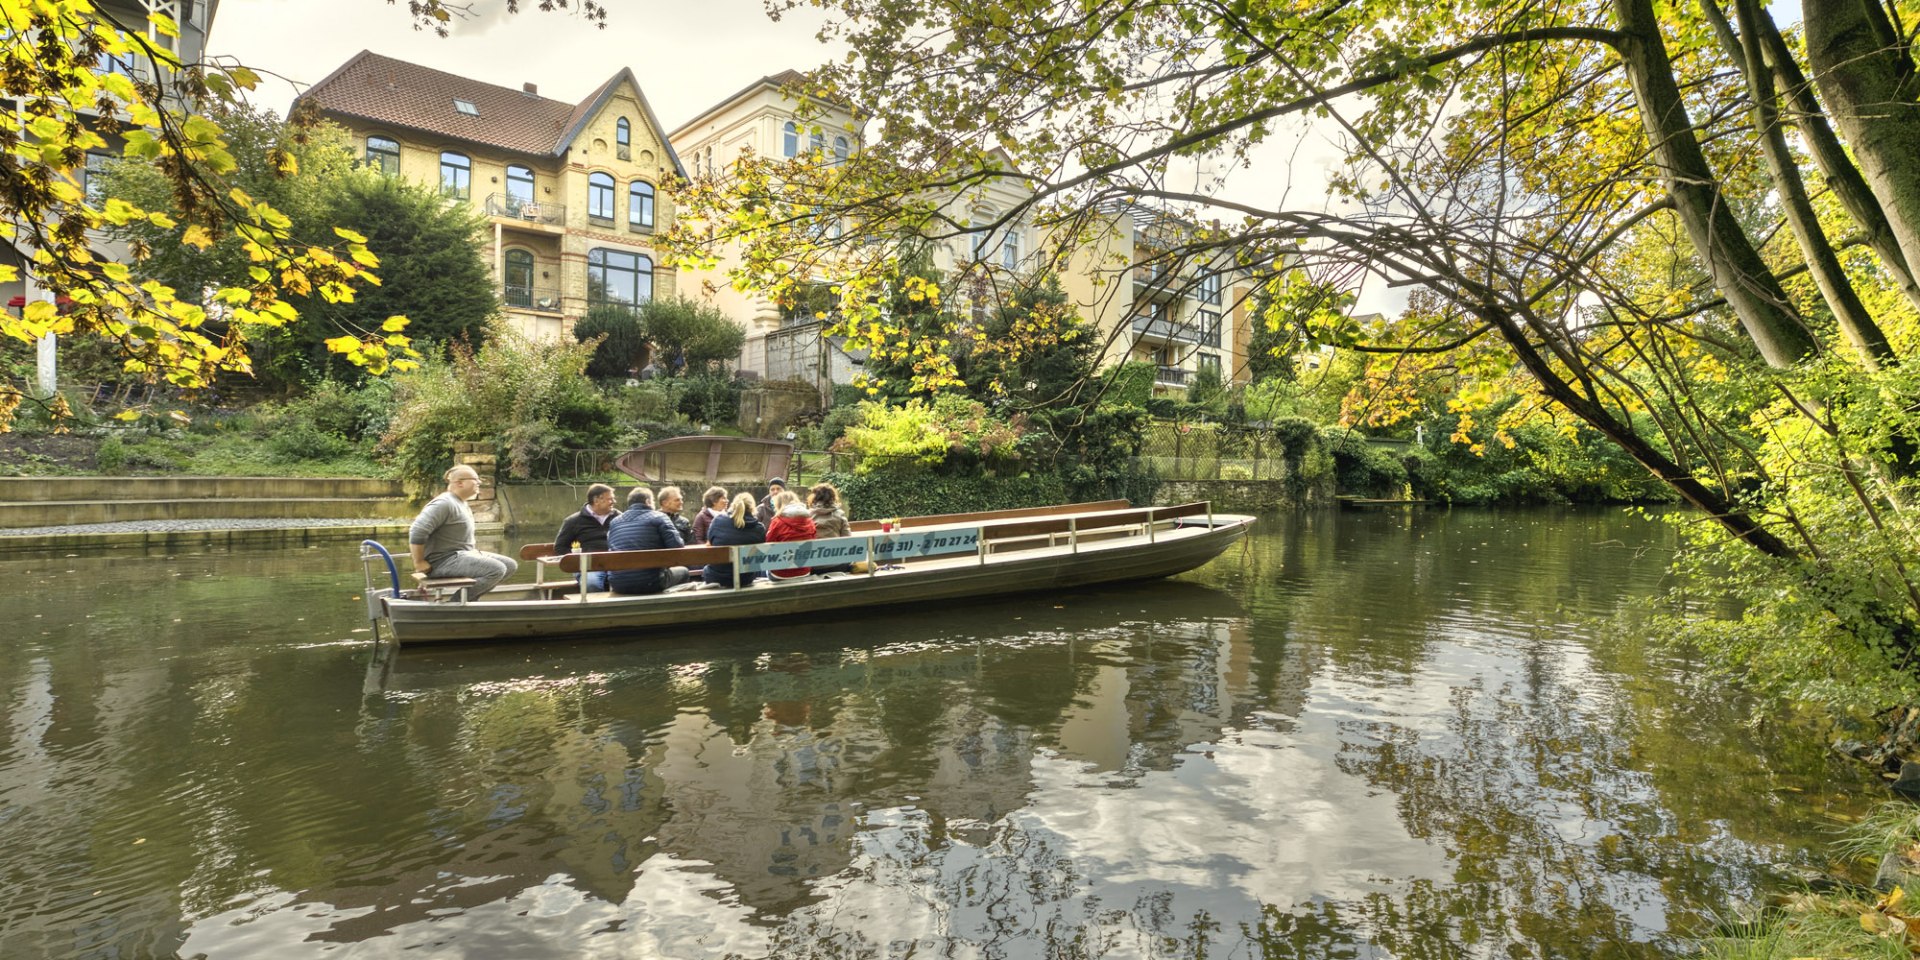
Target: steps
(62,501)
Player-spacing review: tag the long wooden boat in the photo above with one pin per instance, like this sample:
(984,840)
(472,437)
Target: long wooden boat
(919,561)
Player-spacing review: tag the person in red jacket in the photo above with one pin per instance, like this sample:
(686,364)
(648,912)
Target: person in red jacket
(791,521)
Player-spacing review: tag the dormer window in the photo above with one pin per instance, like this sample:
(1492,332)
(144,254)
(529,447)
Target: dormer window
(466,107)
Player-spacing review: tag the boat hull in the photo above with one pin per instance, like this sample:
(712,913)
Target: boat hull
(1184,548)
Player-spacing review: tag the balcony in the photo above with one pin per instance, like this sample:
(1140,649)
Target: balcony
(1166,376)
(518,296)
(526,211)
(1160,328)
(1155,282)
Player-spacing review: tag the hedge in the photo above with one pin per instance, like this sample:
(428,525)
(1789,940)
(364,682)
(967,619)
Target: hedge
(891,495)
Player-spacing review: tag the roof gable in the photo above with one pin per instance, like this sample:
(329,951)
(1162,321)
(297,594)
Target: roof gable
(381,90)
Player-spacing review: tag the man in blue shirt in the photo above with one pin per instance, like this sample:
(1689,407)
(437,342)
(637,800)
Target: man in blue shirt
(643,528)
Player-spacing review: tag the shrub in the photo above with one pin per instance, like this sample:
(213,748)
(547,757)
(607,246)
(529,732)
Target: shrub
(112,455)
(710,398)
(296,439)
(951,435)
(689,335)
(1130,383)
(870,495)
(624,343)
(1362,469)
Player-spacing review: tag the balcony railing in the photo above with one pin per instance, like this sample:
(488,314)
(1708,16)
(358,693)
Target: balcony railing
(1173,376)
(524,297)
(531,211)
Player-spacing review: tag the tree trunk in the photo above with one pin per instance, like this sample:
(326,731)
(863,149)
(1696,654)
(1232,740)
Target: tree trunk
(1855,323)
(1735,265)
(1867,79)
(1842,177)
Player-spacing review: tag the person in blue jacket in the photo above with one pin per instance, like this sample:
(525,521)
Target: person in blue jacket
(643,528)
(737,527)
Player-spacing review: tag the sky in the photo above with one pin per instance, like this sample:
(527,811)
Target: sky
(687,56)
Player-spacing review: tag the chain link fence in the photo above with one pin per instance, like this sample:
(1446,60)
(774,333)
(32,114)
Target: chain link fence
(1174,450)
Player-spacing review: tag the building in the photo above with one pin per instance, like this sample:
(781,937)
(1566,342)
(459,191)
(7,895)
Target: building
(571,191)
(194,18)
(1156,304)
(765,120)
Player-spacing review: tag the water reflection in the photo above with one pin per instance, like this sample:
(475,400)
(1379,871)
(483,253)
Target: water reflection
(1364,735)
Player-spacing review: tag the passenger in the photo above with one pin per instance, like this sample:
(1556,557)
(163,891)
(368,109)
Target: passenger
(644,528)
(713,505)
(775,487)
(586,531)
(670,503)
(737,527)
(441,538)
(791,521)
(823,501)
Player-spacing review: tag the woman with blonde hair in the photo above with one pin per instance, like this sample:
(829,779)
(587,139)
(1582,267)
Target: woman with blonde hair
(738,527)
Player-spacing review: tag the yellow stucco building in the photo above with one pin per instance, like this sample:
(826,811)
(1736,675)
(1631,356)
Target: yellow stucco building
(572,192)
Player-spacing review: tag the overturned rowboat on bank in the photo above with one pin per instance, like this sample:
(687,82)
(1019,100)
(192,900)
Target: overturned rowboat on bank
(920,560)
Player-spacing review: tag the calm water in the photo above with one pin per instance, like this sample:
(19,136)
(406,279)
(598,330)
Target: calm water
(1364,735)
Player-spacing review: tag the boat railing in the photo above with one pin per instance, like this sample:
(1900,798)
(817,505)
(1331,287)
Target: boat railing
(880,547)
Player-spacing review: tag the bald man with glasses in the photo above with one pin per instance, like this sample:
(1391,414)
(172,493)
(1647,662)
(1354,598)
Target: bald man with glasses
(441,538)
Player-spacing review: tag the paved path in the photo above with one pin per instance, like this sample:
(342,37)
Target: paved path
(184,526)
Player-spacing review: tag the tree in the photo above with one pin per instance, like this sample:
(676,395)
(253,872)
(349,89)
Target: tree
(56,62)
(431,264)
(623,347)
(1506,159)
(689,336)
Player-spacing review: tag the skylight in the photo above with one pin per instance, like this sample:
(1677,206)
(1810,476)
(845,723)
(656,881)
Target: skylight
(466,107)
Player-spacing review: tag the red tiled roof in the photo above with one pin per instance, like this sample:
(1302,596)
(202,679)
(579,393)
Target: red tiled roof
(381,90)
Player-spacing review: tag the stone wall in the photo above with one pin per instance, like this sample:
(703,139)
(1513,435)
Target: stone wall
(767,408)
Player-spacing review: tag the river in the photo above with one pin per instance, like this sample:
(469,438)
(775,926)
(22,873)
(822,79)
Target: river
(1364,734)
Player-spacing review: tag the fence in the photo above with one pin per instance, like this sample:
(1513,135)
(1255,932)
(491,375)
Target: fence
(1209,451)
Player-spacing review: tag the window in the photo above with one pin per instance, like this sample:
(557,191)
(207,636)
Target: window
(618,277)
(456,175)
(817,142)
(640,204)
(93,177)
(1210,361)
(600,196)
(1208,322)
(623,139)
(519,189)
(790,139)
(1210,288)
(1010,251)
(840,149)
(519,278)
(383,155)
(709,161)
(466,107)
(121,64)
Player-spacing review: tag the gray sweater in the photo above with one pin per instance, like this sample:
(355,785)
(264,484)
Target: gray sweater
(444,527)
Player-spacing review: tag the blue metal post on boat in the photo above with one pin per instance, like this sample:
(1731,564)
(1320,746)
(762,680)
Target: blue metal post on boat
(392,571)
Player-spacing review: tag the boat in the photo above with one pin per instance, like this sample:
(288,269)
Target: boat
(917,560)
(726,460)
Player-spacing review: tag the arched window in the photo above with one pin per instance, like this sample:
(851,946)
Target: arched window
(640,204)
(519,278)
(1010,250)
(383,155)
(840,149)
(817,142)
(519,189)
(456,175)
(600,196)
(623,139)
(982,235)
(790,139)
(618,277)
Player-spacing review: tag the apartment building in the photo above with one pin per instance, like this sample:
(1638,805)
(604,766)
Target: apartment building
(764,119)
(1151,303)
(571,191)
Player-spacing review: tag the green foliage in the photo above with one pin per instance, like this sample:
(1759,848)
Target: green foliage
(528,399)
(892,494)
(111,457)
(1361,469)
(1129,383)
(625,343)
(689,336)
(1207,391)
(711,398)
(950,435)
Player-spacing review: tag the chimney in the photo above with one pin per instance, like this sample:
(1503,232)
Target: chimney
(529,89)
